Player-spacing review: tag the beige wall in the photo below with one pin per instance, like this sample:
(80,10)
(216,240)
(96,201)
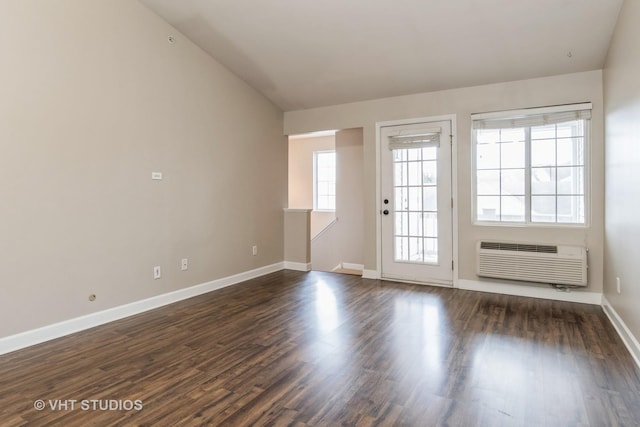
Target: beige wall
(93,99)
(622,121)
(301,168)
(463,102)
(349,195)
(301,151)
(297,242)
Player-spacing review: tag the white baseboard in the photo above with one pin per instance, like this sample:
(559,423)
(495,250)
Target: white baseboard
(352,266)
(629,340)
(370,274)
(298,266)
(57,330)
(534,291)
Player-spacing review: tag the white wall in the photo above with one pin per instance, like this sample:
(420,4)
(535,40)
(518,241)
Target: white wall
(622,121)
(93,99)
(564,89)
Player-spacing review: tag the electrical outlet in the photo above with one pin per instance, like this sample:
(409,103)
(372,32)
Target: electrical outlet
(254,250)
(185,264)
(157,273)
(618,284)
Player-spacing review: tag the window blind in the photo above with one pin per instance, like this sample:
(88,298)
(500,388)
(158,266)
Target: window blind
(531,117)
(422,140)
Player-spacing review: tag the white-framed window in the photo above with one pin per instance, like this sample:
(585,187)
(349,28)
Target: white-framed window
(530,166)
(324,180)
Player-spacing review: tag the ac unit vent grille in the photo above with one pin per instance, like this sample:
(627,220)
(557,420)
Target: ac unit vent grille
(519,247)
(529,262)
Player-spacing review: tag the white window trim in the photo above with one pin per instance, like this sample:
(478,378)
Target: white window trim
(527,223)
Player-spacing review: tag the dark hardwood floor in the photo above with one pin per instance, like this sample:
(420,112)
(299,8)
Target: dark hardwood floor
(322,349)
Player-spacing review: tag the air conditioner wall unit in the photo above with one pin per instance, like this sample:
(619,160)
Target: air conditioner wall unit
(530,262)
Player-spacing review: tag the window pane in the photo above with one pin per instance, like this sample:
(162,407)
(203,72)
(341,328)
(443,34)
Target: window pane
(512,155)
(414,173)
(488,182)
(414,153)
(402,248)
(543,132)
(429,153)
(431,224)
(402,199)
(513,208)
(415,224)
(429,172)
(488,208)
(399,155)
(326,203)
(488,156)
(325,180)
(431,250)
(402,224)
(570,180)
(400,170)
(487,136)
(512,182)
(543,181)
(512,135)
(430,199)
(543,152)
(569,129)
(571,152)
(543,208)
(571,209)
(415,249)
(325,174)
(415,199)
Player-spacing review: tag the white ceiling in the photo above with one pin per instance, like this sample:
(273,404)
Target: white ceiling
(310,53)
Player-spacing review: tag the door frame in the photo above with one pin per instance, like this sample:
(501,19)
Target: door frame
(454,186)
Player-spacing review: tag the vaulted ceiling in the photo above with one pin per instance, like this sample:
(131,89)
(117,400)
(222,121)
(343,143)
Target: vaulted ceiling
(310,53)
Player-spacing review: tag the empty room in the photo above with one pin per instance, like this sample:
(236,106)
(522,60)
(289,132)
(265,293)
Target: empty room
(319,213)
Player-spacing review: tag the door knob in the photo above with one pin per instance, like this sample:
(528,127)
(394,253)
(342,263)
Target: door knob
(386,212)
(386,201)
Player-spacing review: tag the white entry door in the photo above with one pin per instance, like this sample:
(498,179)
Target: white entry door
(416,205)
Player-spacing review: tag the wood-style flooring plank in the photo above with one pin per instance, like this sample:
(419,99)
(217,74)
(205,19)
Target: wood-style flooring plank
(324,349)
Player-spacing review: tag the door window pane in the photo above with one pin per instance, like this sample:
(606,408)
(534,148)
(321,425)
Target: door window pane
(415,208)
